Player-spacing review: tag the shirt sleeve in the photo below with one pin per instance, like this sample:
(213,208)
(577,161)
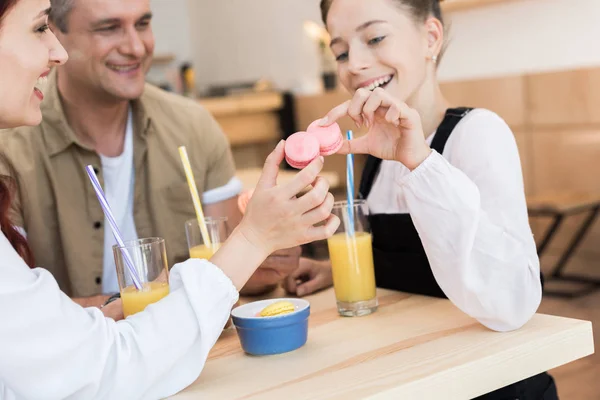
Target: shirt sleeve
(216,195)
(214,145)
(54,349)
(471,215)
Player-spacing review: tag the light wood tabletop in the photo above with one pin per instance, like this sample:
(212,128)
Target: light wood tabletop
(413,347)
(250,176)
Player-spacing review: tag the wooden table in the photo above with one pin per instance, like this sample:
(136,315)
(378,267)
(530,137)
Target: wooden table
(250,176)
(413,347)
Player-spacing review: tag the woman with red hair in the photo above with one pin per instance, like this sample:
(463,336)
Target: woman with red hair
(52,348)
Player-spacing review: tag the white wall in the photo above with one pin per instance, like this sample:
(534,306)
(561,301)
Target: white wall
(171,24)
(245,40)
(240,40)
(522,36)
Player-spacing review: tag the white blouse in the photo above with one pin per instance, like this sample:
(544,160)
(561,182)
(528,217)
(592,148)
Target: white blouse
(51,348)
(469,209)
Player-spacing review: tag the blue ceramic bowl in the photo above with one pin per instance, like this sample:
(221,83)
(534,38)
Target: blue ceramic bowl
(261,336)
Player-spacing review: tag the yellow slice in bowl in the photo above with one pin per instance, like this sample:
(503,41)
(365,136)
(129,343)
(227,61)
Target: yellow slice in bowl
(277,308)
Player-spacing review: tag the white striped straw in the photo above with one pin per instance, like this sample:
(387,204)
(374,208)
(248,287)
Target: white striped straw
(113,225)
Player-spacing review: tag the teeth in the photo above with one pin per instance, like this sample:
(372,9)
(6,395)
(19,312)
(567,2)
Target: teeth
(379,82)
(123,68)
(41,83)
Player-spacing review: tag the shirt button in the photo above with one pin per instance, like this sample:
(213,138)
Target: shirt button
(98,280)
(97,225)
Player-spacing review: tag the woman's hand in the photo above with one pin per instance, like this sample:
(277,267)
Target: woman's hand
(394,129)
(277,219)
(311,276)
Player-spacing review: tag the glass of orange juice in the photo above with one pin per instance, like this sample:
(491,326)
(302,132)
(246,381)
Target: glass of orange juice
(149,258)
(351,254)
(217,231)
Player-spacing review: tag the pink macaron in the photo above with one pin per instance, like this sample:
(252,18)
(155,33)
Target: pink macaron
(330,137)
(301,149)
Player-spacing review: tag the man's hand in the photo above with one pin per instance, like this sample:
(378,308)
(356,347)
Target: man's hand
(272,271)
(113,310)
(92,301)
(313,275)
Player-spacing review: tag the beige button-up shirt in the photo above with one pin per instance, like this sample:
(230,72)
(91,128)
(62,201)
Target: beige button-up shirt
(57,206)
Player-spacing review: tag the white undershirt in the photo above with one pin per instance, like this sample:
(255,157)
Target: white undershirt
(119,184)
(119,188)
(469,209)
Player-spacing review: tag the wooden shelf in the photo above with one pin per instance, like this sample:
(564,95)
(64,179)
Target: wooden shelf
(460,5)
(159,59)
(247,119)
(249,103)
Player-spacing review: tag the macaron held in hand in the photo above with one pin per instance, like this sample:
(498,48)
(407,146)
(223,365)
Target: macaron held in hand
(303,147)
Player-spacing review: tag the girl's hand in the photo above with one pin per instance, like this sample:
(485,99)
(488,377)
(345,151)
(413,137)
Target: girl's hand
(394,129)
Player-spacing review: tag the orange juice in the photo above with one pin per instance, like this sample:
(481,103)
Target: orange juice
(135,300)
(352,267)
(203,252)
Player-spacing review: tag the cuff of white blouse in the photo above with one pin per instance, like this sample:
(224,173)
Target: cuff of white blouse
(210,273)
(431,162)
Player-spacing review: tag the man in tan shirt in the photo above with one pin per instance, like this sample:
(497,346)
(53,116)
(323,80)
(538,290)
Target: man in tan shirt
(99,111)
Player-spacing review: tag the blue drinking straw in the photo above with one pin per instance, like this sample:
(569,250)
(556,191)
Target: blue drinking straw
(350,187)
